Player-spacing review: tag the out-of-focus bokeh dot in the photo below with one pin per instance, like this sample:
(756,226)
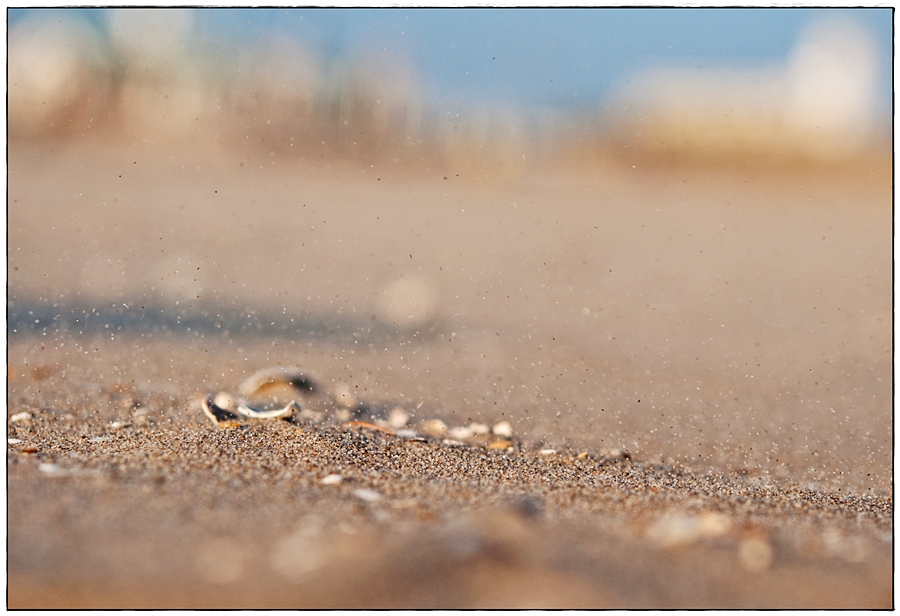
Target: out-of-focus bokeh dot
(487,92)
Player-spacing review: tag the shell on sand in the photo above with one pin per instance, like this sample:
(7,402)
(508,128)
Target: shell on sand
(263,381)
(219,416)
(253,413)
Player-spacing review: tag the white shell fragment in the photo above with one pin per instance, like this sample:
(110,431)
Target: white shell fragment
(398,418)
(217,414)
(226,401)
(503,429)
(23,416)
(260,382)
(14,441)
(331,480)
(676,530)
(367,495)
(253,413)
(547,452)
(406,433)
(479,428)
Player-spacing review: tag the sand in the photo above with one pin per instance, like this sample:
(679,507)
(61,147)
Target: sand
(705,351)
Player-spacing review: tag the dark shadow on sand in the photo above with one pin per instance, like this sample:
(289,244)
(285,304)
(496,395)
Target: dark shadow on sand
(29,315)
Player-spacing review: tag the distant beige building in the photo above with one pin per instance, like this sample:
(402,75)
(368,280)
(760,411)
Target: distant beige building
(820,104)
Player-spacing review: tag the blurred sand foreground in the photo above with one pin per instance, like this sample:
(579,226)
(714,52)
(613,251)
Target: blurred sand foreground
(707,351)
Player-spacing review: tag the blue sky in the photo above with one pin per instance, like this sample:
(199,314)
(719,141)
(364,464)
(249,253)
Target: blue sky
(533,57)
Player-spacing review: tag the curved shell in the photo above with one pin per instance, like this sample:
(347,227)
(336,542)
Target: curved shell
(253,413)
(259,382)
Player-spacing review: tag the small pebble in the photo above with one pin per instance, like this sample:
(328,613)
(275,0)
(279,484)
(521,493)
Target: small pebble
(479,428)
(398,418)
(433,427)
(501,444)
(673,530)
(119,424)
(14,441)
(582,455)
(23,416)
(547,452)
(367,495)
(331,480)
(503,429)
(712,524)
(460,433)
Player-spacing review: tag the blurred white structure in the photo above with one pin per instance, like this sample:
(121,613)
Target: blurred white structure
(58,78)
(821,104)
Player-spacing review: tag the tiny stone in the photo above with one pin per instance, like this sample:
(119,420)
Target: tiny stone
(14,441)
(582,455)
(547,452)
(500,444)
(23,416)
(331,480)
(503,429)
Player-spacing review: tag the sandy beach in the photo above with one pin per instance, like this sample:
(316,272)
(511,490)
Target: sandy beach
(695,364)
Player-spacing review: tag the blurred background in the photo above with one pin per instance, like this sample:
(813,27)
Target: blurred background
(483,91)
(667,231)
